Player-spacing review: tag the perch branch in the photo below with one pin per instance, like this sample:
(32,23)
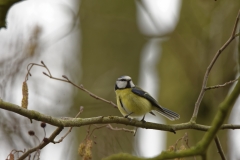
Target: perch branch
(77,122)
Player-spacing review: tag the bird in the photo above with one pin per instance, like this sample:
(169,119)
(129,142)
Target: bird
(134,102)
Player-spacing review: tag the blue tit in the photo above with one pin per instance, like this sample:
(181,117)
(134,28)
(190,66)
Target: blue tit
(133,102)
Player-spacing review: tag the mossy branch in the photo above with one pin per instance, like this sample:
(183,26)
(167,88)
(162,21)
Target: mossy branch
(77,122)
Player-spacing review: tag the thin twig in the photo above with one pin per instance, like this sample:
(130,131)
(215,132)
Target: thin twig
(70,129)
(109,126)
(200,97)
(29,67)
(120,129)
(12,153)
(97,127)
(37,154)
(221,85)
(176,143)
(43,144)
(186,142)
(66,79)
(219,147)
(90,93)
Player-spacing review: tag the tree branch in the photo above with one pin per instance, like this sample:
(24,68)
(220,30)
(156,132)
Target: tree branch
(209,68)
(70,129)
(77,122)
(43,144)
(221,85)
(66,79)
(219,147)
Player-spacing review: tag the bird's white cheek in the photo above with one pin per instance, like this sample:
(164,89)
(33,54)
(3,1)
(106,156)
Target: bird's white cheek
(121,84)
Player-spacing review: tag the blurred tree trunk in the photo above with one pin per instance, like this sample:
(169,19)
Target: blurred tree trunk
(110,47)
(202,29)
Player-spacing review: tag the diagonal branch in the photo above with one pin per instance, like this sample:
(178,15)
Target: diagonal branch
(70,129)
(219,147)
(209,68)
(66,79)
(43,144)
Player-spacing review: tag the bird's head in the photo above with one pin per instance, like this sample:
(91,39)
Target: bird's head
(124,82)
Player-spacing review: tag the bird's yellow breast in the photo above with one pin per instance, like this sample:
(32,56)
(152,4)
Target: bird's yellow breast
(128,102)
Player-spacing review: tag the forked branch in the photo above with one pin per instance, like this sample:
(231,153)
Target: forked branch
(209,68)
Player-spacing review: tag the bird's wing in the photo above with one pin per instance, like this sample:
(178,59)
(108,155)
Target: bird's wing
(164,111)
(142,93)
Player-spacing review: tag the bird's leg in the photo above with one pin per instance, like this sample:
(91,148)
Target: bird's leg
(128,115)
(143,118)
(135,131)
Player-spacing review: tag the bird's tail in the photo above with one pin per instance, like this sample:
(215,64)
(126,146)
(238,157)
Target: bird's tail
(167,113)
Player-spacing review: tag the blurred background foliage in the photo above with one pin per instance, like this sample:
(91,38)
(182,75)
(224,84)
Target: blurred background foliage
(111,46)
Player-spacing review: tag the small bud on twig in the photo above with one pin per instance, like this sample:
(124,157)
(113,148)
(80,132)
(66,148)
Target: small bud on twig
(43,124)
(45,74)
(31,133)
(65,77)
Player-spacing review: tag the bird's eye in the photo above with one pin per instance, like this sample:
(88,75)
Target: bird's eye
(122,79)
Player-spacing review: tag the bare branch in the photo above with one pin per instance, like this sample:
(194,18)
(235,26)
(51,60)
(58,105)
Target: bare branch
(219,147)
(29,67)
(209,68)
(120,129)
(43,144)
(85,90)
(221,85)
(70,129)
(66,79)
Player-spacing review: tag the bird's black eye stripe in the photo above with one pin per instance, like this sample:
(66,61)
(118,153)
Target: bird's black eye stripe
(128,84)
(124,80)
